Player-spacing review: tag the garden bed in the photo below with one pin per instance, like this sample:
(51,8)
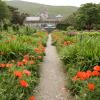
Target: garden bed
(20,56)
(81,56)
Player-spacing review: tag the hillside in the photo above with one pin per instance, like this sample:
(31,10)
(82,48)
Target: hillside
(35,8)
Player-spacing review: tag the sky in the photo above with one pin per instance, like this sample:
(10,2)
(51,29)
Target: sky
(64,2)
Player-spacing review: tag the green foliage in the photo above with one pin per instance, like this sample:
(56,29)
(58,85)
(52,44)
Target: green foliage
(87,16)
(81,55)
(13,49)
(86,50)
(61,26)
(17,17)
(4,11)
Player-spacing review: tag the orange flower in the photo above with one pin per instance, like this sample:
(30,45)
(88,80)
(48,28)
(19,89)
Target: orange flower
(65,43)
(23,83)
(14,38)
(91,86)
(26,57)
(18,74)
(75,78)
(82,75)
(95,73)
(20,63)
(25,61)
(40,57)
(96,68)
(36,50)
(43,49)
(31,62)
(1,53)
(3,65)
(9,65)
(28,73)
(88,74)
(32,98)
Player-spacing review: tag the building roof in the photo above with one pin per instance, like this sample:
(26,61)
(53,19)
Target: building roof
(59,16)
(32,18)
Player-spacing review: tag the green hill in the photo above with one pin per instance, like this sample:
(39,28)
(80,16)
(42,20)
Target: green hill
(35,8)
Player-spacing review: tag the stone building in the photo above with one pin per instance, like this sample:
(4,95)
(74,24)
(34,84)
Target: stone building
(42,20)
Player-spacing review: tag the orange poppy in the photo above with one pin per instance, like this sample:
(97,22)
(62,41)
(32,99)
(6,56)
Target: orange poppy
(23,83)
(82,75)
(31,62)
(9,65)
(36,49)
(91,86)
(88,74)
(20,63)
(32,98)
(25,61)
(95,73)
(3,65)
(18,74)
(96,68)
(75,78)
(28,73)
(40,57)
(26,57)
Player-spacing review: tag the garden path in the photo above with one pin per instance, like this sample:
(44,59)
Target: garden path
(52,79)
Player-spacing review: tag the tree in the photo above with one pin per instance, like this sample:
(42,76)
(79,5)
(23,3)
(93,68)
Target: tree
(70,20)
(17,17)
(4,15)
(87,16)
(4,11)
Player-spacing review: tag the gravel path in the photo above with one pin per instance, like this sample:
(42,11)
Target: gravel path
(52,79)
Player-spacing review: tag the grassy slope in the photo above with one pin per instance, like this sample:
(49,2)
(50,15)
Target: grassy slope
(33,8)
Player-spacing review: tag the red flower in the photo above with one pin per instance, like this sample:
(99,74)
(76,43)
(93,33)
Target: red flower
(18,74)
(23,83)
(75,78)
(20,63)
(91,86)
(28,73)
(40,57)
(95,73)
(3,65)
(88,74)
(65,43)
(96,68)
(32,98)
(36,50)
(26,57)
(43,49)
(82,75)
(25,61)
(31,62)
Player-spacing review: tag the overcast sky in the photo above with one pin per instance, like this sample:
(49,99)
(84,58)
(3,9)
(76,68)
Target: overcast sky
(64,2)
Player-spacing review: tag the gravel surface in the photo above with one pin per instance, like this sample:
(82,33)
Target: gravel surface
(52,81)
